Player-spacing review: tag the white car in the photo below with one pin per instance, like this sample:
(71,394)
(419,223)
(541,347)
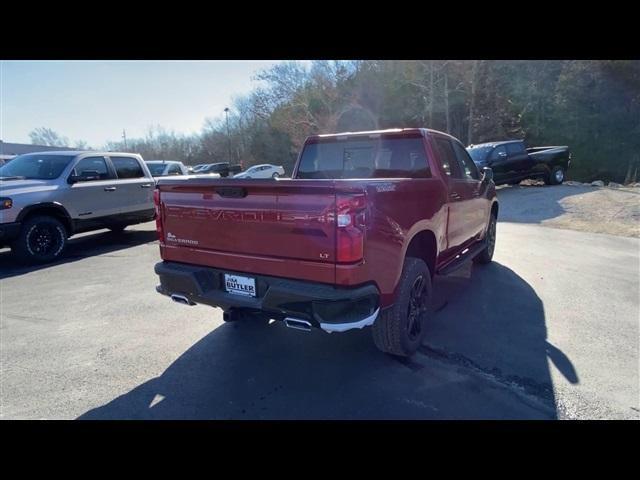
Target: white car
(262,171)
(163,168)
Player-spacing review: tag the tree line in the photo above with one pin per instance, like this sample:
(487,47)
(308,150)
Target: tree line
(593,106)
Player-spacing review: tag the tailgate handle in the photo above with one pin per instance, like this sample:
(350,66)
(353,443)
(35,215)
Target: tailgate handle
(232,192)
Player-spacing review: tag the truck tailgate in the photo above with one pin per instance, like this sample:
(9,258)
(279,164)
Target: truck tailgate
(281,222)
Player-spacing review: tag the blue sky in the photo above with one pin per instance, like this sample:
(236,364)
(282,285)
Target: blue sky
(94,100)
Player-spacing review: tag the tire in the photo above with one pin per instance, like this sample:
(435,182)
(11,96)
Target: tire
(556,176)
(42,239)
(486,255)
(275,175)
(395,331)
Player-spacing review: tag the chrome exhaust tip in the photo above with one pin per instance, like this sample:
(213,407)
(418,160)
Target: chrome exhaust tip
(181,299)
(297,324)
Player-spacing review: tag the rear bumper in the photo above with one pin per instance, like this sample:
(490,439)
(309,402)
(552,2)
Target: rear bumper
(9,232)
(334,309)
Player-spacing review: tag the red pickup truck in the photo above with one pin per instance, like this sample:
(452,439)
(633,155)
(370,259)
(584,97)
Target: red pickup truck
(352,239)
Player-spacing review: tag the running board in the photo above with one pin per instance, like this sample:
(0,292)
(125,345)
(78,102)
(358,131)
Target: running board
(462,258)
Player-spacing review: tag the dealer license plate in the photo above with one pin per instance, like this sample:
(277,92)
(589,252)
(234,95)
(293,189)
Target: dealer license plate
(240,285)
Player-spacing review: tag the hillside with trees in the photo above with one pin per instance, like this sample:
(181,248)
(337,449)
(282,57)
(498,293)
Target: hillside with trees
(592,106)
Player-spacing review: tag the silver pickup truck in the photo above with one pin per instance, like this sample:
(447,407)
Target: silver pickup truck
(46,197)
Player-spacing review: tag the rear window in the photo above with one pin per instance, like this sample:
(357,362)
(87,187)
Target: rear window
(156,169)
(127,167)
(365,158)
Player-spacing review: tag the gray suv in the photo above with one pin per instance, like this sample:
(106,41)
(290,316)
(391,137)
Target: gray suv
(46,197)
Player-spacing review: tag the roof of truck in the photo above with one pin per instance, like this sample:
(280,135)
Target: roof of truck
(411,130)
(494,144)
(367,132)
(82,152)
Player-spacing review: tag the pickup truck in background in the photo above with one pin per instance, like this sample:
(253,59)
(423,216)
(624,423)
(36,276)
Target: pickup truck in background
(46,197)
(511,162)
(353,239)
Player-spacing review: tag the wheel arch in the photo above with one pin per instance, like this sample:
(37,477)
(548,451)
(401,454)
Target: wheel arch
(53,209)
(423,245)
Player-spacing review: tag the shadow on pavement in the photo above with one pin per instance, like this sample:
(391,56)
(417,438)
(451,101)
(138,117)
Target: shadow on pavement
(80,247)
(489,332)
(494,322)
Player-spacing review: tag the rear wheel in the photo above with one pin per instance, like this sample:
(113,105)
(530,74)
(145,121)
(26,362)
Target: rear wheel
(556,176)
(42,239)
(400,329)
(487,254)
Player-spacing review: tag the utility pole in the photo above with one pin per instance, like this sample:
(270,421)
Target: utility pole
(226,111)
(124,137)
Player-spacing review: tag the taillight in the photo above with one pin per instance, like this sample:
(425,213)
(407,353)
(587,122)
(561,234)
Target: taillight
(156,203)
(350,228)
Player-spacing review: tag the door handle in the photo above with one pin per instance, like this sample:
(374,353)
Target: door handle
(109,189)
(145,185)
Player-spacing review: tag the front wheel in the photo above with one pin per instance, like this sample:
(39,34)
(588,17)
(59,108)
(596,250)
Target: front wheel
(42,239)
(556,176)
(399,330)
(275,175)
(487,254)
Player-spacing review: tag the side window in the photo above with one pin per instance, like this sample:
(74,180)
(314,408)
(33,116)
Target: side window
(498,153)
(174,169)
(92,167)
(464,161)
(127,167)
(515,148)
(447,157)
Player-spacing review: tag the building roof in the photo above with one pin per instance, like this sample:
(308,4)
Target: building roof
(21,148)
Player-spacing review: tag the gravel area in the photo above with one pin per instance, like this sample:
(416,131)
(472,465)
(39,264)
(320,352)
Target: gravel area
(614,211)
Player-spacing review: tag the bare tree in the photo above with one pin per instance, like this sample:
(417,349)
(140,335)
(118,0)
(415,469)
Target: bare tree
(48,137)
(474,82)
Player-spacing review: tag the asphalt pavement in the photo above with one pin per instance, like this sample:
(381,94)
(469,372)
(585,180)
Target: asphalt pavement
(549,330)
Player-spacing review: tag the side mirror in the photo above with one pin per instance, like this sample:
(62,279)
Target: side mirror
(487,174)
